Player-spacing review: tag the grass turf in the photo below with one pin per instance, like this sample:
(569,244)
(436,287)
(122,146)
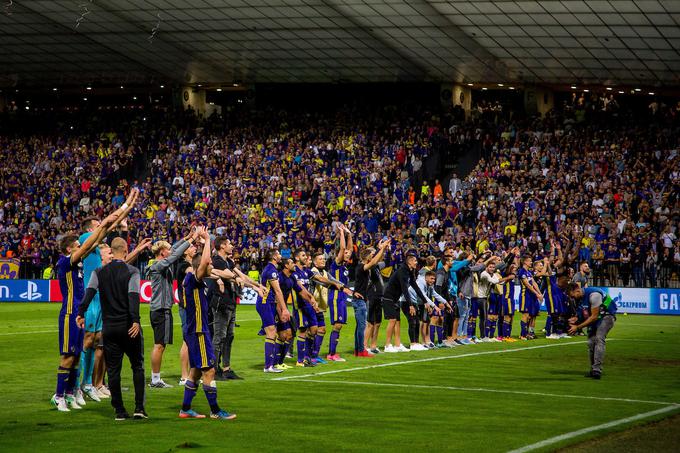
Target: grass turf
(486,397)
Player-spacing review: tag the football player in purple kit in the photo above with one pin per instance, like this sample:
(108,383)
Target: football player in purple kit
(337,300)
(530,298)
(293,282)
(198,339)
(308,279)
(304,311)
(508,304)
(70,275)
(272,307)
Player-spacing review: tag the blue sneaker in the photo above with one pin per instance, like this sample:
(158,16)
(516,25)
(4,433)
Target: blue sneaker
(466,341)
(223,415)
(320,360)
(190,414)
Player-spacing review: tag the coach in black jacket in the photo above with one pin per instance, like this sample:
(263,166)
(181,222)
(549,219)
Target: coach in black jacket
(118,286)
(397,287)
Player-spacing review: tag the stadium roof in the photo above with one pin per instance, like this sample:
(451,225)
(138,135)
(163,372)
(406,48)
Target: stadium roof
(63,42)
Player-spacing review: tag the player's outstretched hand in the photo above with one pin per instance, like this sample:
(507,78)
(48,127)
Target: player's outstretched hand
(110,219)
(134,330)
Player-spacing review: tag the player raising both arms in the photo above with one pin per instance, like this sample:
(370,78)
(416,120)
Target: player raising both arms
(92,359)
(70,275)
(337,300)
(319,285)
(198,339)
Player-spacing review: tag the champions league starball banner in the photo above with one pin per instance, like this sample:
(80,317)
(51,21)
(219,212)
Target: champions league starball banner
(646,301)
(49,291)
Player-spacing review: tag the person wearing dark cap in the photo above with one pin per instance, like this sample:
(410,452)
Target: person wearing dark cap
(118,285)
(397,287)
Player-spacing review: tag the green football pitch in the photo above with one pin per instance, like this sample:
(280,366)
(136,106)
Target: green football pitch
(493,397)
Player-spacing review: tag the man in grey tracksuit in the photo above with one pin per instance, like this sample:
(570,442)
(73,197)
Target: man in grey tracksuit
(161,275)
(465,295)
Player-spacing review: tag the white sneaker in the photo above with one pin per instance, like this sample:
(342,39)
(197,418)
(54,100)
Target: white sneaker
(79,398)
(91,393)
(390,348)
(495,340)
(71,401)
(60,403)
(418,347)
(103,390)
(402,348)
(564,335)
(553,336)
(160,384)
(271,369)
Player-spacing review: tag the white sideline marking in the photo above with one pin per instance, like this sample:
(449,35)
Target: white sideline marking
(430,359)
(481,389)
(571,435)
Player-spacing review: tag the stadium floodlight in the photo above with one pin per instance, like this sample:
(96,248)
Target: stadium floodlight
(470,84)
(609,88)
(219,89)
(573,87)
(500,85)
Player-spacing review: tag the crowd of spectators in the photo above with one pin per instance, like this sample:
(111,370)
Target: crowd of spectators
(600,179)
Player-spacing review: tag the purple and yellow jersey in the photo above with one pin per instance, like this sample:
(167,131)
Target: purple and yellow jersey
(551,293)
(340,273)
(269,274)
(526,279)
(289,287)
(509,296)
(196,303)
(301,278)
(71,284)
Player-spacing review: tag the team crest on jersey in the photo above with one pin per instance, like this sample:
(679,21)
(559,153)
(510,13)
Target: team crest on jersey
(275,275)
